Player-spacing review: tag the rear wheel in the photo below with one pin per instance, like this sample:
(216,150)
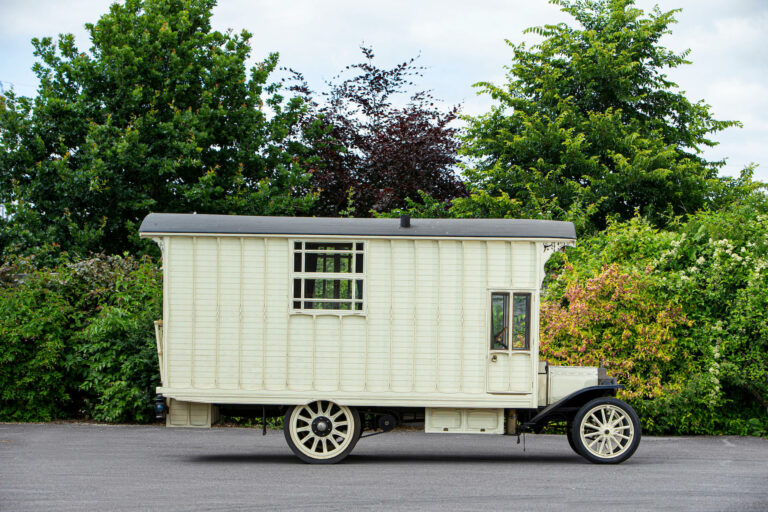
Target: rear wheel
(321,432)
(605,431)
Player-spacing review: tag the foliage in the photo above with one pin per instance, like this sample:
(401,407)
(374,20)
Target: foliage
(589,123)
(677,315)
(376,153)
(77,339)
(34,326)
(615,319)
(160,114)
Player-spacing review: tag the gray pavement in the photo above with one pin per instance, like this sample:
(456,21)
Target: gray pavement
(93,467)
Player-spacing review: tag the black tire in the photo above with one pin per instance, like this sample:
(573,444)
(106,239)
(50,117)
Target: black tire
(304,447)
(569,436)
(611,425)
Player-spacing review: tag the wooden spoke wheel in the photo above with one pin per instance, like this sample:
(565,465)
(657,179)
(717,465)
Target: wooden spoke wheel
(606,431)
(321,432)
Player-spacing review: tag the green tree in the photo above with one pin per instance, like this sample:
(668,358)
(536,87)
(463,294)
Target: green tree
(160,115)
(589,122)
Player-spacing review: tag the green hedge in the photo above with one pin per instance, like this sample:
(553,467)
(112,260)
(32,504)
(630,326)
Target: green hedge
(679,316)
(77,340)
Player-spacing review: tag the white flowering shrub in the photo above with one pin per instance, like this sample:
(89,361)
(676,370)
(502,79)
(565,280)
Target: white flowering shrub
(709,373)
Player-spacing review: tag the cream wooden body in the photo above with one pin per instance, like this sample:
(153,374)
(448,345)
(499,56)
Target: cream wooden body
(230,334)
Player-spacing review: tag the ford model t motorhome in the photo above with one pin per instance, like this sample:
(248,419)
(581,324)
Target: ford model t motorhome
(346,325)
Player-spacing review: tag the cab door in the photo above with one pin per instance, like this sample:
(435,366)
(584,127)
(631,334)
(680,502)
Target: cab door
(509,343)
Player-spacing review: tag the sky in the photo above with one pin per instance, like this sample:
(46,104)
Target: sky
(459,42)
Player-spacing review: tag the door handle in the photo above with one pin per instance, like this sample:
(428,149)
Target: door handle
(493,358)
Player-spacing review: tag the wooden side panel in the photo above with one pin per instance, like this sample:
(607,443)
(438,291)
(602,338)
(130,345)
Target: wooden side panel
(521,373)
(253,276)
(475,321)
(426,338)
(327,352)
(379,291)
(277,339)
(353,346)
(403,279)
(498,264)
(206,312)
(180,323)
(524,265)
(449,309)
(229,337)
(303,342)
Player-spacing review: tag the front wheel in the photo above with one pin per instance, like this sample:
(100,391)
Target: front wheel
(321,432)
(606,431)
(569,436)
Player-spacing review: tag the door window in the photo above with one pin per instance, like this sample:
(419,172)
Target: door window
(499,321)
(516,336)
(521,321)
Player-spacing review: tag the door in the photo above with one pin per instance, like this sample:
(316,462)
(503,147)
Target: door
(509,343)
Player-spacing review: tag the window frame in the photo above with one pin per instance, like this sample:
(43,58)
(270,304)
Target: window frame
(531,294)
(528,316)
(353,277)
(507,297)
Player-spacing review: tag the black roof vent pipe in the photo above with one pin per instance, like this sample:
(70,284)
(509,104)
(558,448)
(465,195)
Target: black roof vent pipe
(405,221)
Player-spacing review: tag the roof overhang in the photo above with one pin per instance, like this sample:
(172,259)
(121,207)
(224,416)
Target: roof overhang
(169,224)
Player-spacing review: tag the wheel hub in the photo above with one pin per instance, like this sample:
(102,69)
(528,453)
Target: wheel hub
(322,426)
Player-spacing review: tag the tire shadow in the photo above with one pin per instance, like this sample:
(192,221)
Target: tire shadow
(465,459)
(245,458)
(396,458)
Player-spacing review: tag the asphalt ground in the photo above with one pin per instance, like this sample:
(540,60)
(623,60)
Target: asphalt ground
(65,467)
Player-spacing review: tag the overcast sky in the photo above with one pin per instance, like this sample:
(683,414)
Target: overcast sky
(461,43)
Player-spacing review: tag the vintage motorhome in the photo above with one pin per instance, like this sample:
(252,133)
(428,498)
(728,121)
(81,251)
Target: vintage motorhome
(351,325)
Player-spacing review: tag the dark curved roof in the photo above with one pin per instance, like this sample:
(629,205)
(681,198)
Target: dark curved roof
(461,228)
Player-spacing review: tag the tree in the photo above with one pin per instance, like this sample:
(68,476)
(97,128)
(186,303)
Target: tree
(160,115)
(589,122)
(377,153)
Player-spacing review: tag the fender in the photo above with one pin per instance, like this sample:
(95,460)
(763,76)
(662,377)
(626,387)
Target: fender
(565,408)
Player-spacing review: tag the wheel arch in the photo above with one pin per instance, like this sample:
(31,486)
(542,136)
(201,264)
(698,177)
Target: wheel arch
(565,408)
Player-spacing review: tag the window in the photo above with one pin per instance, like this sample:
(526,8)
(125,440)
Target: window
(521,321)
(499,321)
(328,276)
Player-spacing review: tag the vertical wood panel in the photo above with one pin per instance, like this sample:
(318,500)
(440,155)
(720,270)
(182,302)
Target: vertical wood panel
(524,265)
(426,314)
(180,301)
(253,313)
(229,291)
(449,323)
(205,313)
(403,316)
(276,317)
(166,255)
(379,283)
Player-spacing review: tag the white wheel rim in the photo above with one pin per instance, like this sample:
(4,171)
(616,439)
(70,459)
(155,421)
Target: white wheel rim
(606,431)
(322,429)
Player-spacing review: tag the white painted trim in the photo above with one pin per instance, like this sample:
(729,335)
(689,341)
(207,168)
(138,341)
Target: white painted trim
(518,400)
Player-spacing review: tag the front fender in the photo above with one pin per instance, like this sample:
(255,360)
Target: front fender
(565,408)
